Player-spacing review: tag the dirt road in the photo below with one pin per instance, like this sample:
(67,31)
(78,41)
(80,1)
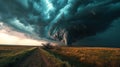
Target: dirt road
(37,59)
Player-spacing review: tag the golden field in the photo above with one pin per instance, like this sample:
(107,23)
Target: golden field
(90,56)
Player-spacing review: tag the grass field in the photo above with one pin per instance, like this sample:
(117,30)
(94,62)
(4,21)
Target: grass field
(26,56)
(89,56)
(53,61)
(10,56)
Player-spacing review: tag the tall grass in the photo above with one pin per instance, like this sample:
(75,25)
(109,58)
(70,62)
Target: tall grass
(13,56)
(56,62)
(94,57)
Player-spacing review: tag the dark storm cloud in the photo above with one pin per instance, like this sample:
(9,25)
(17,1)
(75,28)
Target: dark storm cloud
(19,14)
(95,16)
(98,15)
(40,16)
(110,37)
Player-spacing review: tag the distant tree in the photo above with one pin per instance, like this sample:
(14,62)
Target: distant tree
(47,45)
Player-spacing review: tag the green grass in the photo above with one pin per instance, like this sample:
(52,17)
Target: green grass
(10,57)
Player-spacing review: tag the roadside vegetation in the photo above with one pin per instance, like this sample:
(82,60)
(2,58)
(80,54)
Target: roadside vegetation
(24,56)
(11,56)
(53,61)
(88,56)
(58,56)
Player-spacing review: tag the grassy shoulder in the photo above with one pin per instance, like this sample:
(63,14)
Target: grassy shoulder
(90,57)
(55,62)
(10,56)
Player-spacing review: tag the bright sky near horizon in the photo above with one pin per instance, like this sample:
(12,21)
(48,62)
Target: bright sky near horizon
(9,36)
